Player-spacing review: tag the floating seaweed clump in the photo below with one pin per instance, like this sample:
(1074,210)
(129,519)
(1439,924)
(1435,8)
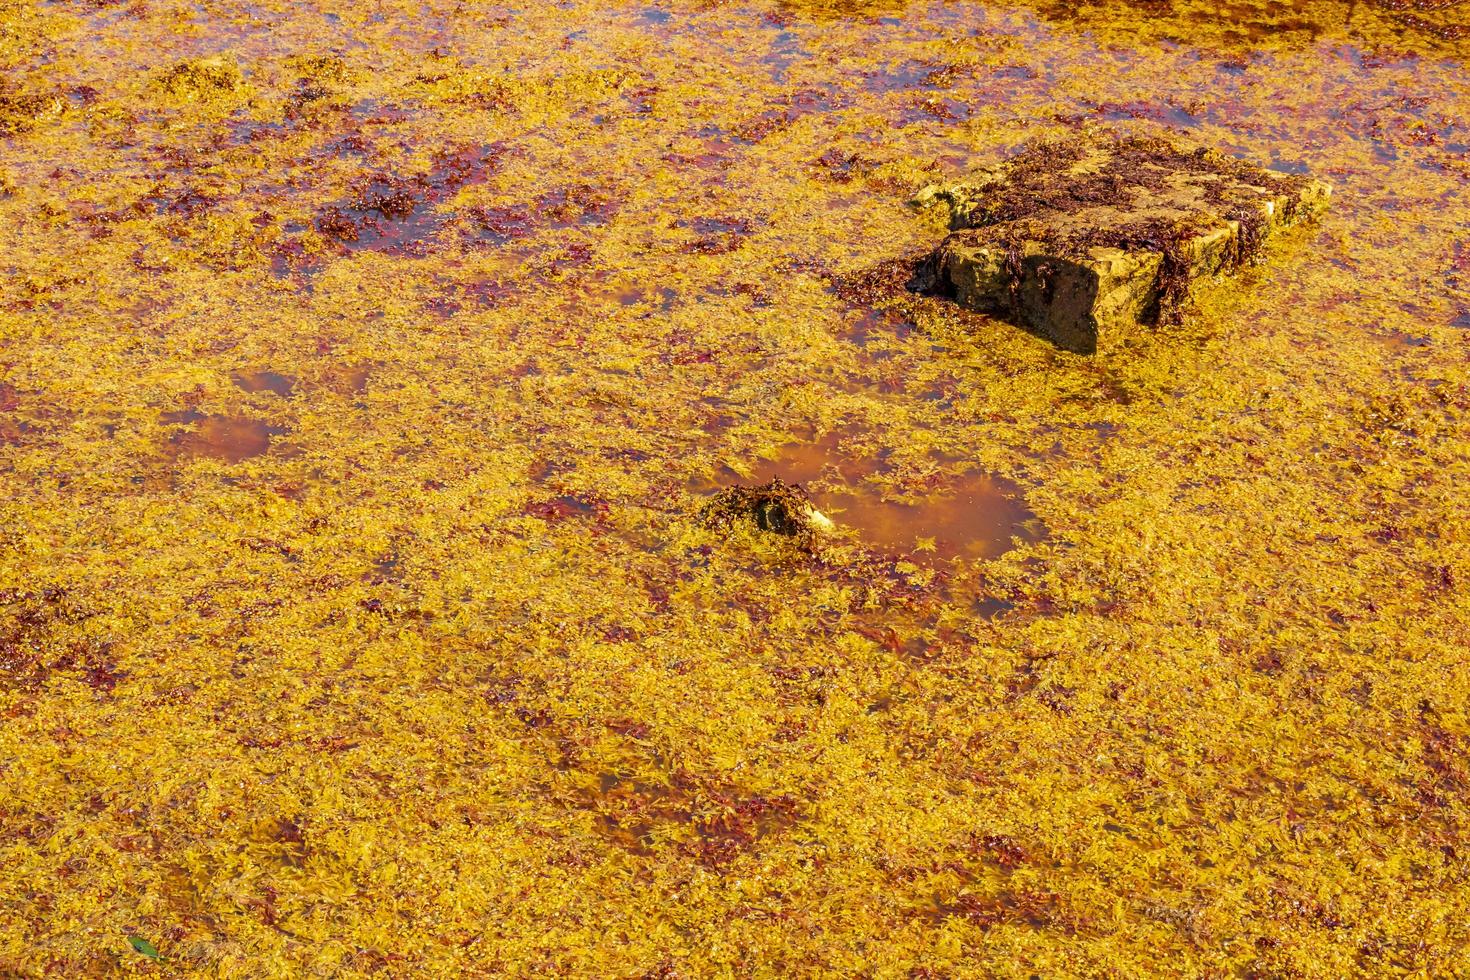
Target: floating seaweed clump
(1083,239)
(1414,25)
(202,79)
(22,111)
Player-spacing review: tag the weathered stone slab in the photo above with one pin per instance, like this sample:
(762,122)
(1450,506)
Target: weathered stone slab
(1083,241)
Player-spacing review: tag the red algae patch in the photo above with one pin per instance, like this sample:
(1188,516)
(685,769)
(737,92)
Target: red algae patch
(397,213)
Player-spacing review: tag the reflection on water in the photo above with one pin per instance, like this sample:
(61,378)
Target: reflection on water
(968,515)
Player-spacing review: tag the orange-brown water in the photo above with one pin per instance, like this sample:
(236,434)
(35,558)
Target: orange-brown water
(954,512)
(280,384)
(230,438)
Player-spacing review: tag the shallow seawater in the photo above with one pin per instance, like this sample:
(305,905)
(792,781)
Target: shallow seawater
(365,369)
(227,437)
(963,514)
(272,381)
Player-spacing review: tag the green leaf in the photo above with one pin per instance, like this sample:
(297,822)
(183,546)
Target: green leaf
(145,947)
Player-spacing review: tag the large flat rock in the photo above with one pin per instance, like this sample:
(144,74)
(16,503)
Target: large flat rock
(1087,240)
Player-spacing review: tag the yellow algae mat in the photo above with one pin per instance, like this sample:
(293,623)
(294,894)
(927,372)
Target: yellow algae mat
(364,369)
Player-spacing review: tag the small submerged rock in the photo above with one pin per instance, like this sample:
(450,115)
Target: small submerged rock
(775,507)
(1081,241)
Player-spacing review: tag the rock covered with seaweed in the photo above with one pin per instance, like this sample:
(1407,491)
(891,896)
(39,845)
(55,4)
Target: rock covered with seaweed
(1082,240)
(775,507)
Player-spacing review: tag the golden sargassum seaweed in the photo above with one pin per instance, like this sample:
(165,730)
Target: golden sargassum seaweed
(414,659)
